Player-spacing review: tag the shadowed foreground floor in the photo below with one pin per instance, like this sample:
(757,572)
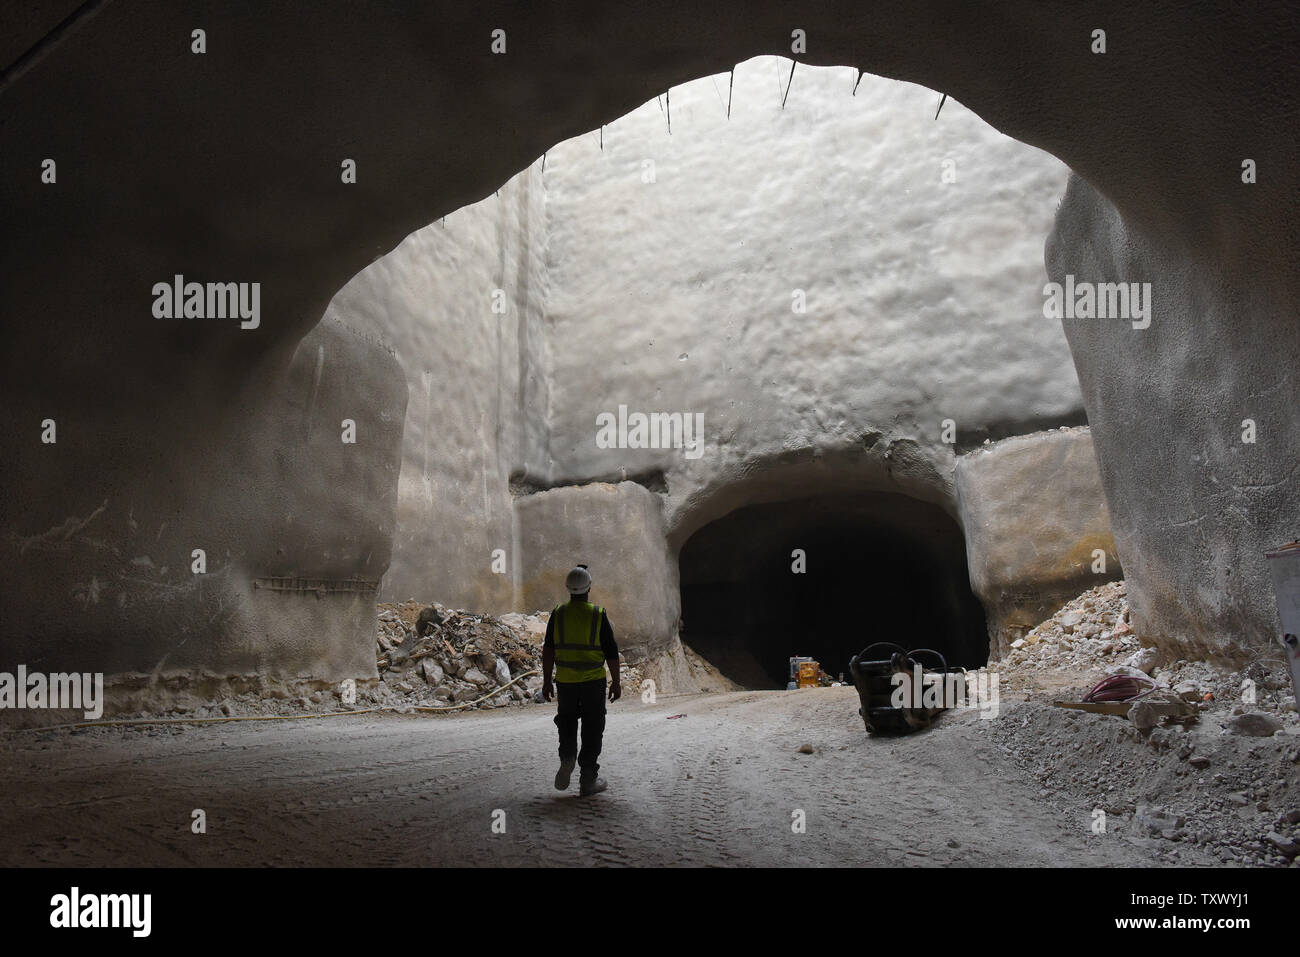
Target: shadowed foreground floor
(722,785)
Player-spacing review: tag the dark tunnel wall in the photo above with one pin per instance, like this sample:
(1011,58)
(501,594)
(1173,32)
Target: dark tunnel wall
(225,167)
(876,567)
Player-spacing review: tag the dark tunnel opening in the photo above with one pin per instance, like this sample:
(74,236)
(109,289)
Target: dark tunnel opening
(875,567)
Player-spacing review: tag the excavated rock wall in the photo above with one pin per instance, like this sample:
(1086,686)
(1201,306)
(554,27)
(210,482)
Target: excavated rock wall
(618,532)
(461,302)
(1036,526)
(1194,416)
(629,292)
(224,166)
(153,570)
(837,279)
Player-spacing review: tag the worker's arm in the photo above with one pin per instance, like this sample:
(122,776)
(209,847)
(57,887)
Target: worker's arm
(548,660)
(615,686)
(610,648)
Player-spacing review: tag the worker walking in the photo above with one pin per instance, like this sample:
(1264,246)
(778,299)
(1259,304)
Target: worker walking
(580,643)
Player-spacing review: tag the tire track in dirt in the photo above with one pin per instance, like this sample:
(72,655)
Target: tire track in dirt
(720,786)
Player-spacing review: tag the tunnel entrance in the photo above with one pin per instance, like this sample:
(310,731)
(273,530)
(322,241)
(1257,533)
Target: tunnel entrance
(876,567)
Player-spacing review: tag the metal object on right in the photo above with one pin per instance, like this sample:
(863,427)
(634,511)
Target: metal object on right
(1284,563)
(874,678)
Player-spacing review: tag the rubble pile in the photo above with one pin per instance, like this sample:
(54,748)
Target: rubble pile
(433,656)
(1183,791)
(1224,782)
(1091,637)
(1090,632)
(460,657)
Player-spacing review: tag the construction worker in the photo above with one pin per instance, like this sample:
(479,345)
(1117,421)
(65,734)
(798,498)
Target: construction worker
(580,643)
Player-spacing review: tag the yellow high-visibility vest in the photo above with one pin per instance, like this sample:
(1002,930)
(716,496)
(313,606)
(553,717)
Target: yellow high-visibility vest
(578,656)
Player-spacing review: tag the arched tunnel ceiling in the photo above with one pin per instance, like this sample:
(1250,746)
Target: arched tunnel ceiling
(869,465)
(227,163)
(225,166)
(245,141)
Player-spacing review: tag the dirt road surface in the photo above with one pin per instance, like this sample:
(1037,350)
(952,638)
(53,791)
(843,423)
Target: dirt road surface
(724,785)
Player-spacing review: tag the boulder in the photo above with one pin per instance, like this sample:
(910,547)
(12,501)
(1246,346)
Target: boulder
(1144,660)
(1144,715)
(433,672)
(1288,846)
(1255,724)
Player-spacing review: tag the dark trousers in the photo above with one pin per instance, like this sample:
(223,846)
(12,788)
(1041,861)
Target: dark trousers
(581,701)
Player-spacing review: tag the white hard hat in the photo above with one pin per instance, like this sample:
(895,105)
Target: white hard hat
(578,581)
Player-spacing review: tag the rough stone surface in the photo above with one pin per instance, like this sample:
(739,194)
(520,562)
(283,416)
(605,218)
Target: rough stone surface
(1143,660)
(922,298)
(236,177)
(754,372)
(1255,725)
(1193,506)
(294,523)
(1033,514)
(1157,821)
(478,389)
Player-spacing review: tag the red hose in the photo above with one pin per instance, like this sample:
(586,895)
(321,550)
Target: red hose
(1120,688)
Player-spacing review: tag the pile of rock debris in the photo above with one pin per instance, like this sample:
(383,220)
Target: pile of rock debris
(1223,785)
(451,659)
(433,656)
(1092,632)
(1091,637)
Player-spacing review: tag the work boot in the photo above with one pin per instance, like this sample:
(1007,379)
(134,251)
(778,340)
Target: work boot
(591,785)
(562,776)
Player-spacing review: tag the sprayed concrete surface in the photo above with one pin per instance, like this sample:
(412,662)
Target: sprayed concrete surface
(720,786)
(802,277)
(178,436)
